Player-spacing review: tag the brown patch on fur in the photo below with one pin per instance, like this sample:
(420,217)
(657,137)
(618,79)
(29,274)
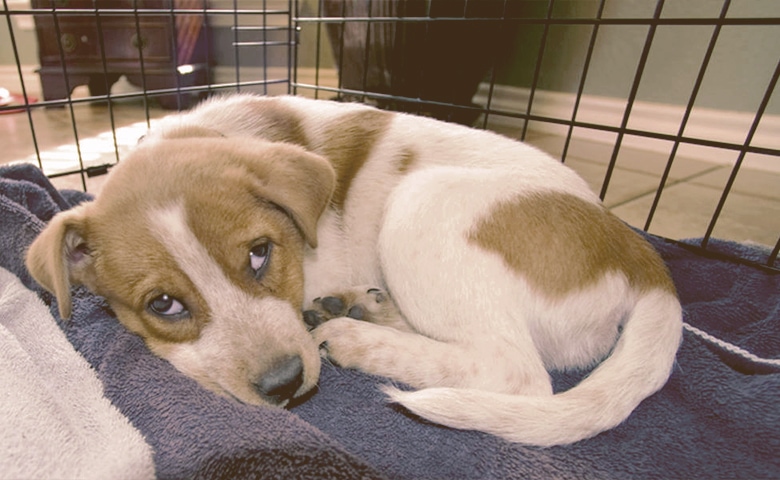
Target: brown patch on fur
(405,161)
(261,191)
(562,243)
(129,283)
(280,123)
(229,224)
(296,181)
(349,144)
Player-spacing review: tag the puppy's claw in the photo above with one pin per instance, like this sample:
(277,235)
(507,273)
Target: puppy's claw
(325,353)
(379,295)
(324,349)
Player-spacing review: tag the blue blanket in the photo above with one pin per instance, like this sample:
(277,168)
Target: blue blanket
(718,417)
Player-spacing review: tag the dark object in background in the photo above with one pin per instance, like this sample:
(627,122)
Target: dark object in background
(155,52)
(442,59)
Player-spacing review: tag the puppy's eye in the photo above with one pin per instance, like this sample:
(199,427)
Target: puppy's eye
(167,306)
(259,258)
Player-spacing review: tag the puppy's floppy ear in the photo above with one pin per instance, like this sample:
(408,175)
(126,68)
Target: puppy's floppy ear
(60,257)
(299,182)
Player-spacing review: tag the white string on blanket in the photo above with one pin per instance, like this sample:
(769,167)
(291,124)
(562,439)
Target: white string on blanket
(731,347)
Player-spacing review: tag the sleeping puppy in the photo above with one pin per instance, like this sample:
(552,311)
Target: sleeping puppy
(453,260)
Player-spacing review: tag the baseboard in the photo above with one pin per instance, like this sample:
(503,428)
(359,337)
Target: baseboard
(705,124)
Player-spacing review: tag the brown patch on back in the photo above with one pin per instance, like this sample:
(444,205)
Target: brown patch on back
(405,161)
(562,243)
(349,143)
(280,122)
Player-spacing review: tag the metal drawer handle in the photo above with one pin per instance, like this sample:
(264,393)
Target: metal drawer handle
(68,42)
(142,44)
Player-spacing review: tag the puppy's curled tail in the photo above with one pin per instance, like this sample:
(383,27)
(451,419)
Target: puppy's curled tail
(638,366)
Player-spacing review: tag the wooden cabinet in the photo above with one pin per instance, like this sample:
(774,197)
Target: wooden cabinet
(149,41)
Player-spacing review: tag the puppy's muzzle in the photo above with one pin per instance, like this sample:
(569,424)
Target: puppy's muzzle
(280,383)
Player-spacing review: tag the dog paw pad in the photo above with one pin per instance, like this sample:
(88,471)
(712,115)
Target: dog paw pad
(333,305)
(359,303)
(313,319)
(357,312)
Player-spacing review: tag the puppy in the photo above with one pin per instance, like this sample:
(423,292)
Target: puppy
(459,262)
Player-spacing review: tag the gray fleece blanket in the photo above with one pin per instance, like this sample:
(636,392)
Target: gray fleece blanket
(718,417)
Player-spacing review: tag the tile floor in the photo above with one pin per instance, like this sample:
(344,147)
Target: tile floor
(751,212)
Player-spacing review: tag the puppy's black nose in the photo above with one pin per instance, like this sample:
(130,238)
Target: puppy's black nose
(282,381)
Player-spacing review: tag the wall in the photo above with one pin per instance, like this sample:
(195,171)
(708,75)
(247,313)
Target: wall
(24,35)
(740,69)
(738,75)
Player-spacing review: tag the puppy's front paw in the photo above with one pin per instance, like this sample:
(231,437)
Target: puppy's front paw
(361,303)
(344,341)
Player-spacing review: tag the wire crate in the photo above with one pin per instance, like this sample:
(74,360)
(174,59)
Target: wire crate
(668,109)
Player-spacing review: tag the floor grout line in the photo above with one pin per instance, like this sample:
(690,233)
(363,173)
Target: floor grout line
(669,184)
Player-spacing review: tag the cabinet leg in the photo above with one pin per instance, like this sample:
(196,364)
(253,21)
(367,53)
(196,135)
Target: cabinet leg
(101,84)
(54,85)
(56,88)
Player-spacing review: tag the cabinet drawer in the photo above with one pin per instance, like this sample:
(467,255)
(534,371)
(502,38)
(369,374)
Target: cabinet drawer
(122,42)
(79,40)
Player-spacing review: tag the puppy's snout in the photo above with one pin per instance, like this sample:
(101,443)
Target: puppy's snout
(282,381)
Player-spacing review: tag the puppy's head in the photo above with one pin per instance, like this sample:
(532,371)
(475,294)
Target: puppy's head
(197,245)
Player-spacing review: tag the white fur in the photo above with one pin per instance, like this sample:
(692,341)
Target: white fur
(598,403)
